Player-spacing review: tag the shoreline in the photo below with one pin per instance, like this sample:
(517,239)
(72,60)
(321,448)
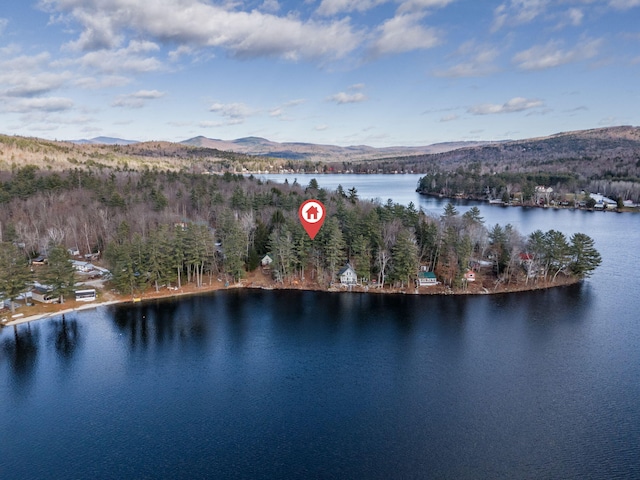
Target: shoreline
(522,205)
(438,290)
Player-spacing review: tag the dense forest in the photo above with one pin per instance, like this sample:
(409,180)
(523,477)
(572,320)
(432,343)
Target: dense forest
(166,228)
(470,182)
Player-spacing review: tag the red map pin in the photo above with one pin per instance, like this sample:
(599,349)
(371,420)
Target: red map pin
(312,214)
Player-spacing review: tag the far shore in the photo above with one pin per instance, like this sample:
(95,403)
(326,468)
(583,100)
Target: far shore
(632,209)
(260,281)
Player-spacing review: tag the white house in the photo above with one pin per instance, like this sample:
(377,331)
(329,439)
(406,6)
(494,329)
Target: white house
(82,266)
(266,260)
(348,275)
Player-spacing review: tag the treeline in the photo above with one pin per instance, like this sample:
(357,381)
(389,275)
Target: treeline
(164,228)
(472,182)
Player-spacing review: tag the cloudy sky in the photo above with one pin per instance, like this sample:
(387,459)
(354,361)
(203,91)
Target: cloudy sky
(344,72)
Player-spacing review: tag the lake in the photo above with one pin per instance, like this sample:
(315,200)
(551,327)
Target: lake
(276,384)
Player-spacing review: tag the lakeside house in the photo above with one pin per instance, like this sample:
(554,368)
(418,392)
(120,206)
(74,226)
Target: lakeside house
(80,266)
(543,195)
(348,275)
(470,276)
(426,279)
(42,294)
(266,261)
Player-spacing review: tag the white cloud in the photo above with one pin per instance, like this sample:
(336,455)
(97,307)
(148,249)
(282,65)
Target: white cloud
(624,4)
(575,16)
(281,110)
(352,95)
(404,33)
(517,12)
(333,7)
(210,124)
(270,6)
(3,24)
(198,23)
(344,97)
(25,63)
(92,83)
(11,49)
(416,5)
(28,84)
(479,61)
(517,104)
(43,104)
(551,55)
(235,113)
(132,58)
(137,99)
(449,118)
(321,128)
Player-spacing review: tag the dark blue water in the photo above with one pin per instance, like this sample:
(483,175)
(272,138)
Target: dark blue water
(268,384)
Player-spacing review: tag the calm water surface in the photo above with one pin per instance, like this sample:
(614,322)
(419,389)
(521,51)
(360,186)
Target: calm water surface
(268,384)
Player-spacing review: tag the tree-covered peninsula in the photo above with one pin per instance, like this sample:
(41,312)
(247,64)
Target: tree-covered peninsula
(165,229)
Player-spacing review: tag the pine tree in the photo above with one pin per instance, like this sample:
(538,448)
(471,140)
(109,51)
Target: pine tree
(233,246)
(14,273)
(332,244)
(59,274)
(405,257)
(558,252)
(585,258)
(362,256)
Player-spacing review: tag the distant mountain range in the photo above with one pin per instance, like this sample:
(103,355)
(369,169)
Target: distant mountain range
(318,152)
(611,152)
(104,141)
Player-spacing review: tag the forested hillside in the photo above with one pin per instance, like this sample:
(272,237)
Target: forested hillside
(163,228)
(16,152)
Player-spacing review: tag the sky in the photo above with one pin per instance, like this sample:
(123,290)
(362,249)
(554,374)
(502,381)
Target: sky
(341,72)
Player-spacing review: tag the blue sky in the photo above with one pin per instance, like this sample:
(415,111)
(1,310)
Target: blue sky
(343,72)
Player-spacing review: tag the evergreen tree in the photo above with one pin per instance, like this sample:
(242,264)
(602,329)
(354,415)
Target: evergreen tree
(332,244)
(405,257)
(159,256)
(558,252)
(59,274)
(233,247)
(473,216)
(362,256)
(312,187)
(14,273)
(450,211)
(353,195)
(584,257)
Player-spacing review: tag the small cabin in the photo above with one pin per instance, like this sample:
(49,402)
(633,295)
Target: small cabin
(43,295)
(426,279)
(266,260)
(348,275)
(82,266)
(470,276)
